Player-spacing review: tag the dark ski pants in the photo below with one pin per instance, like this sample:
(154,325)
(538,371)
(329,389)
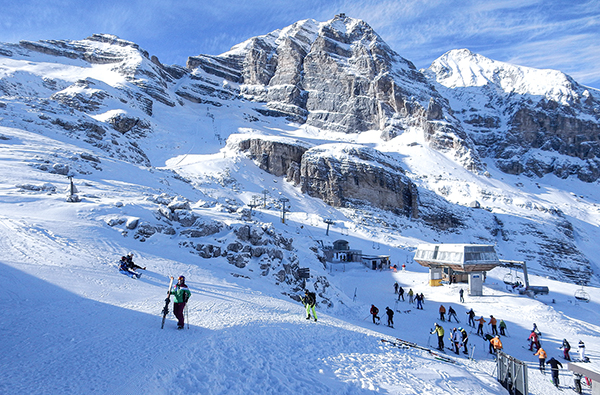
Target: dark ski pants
(566,354)
(465,344)
(480,329)
(178,311)
(494,330)
(441,342)
(543,365)
(555,379)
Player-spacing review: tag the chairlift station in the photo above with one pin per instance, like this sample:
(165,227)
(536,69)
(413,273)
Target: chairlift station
(470,259)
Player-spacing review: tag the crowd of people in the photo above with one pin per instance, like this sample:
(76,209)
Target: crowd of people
(459,337)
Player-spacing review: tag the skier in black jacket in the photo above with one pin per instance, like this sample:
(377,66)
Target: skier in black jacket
(554,364)
(310,300)
(390,314)
(566,348)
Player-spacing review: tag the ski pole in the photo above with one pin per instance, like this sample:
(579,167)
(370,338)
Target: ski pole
(187,316)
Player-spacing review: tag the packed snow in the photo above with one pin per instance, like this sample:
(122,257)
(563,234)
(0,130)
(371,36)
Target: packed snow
(71,323)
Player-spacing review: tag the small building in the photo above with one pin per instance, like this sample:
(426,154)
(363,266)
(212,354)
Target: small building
(376,262)
(341,252)
(472,260)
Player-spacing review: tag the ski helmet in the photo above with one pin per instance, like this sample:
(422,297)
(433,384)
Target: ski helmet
(460,328)
(181,278)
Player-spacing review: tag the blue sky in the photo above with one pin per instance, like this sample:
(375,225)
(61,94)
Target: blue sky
(563,35)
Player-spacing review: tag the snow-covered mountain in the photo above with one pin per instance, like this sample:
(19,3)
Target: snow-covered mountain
(531,121)
(195,169)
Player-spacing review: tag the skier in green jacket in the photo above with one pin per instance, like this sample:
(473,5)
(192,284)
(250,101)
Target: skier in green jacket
(181,294)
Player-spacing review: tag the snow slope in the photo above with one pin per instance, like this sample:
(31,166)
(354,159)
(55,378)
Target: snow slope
(70,323)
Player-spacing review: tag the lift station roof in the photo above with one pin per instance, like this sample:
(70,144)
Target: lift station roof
(458,257)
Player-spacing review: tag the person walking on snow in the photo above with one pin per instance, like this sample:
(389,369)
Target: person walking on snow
(396,287)
(542,356)
(452,313)
(581,347)
(442,313)
(410,296)
(309,301)
(554,364)
(480,327)
(390,314)
(440,334)
(502,326)
(374,311)
(455,338)
(181,294)
(419,299)
(493,323)
(461,293)
(471,315)
(465,339)
(566,348)
(401,294)
(534,341)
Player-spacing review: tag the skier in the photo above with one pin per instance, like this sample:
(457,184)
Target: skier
(534,340)
(554,364)
(465,339)
(495,344)
(181,295)
(374,311)
(396,287)
(309,301)
(502,328)
(480,327)
(401,294)
(410,296)
(127,266)
(419,300)
(455,338)
(492,323)
(390,314)
(582,357)
(452,313)
(471,315)
(542,356)
(442,313)
(577,382)
(566,348)
(461,293)
(536,330)
(440,334)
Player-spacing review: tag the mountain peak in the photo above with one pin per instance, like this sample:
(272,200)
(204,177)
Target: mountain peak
(461,68)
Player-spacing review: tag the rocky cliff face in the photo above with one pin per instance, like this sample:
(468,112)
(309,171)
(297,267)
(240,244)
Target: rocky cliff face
(342,175)
(345,175)
(367,86)
(530,121)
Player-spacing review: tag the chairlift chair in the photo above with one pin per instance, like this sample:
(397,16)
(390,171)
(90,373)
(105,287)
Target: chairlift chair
(509,279)
(582,296)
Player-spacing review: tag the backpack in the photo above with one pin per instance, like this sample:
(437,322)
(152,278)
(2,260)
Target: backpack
(311,298)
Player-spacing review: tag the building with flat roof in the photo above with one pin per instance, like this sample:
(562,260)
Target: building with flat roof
(470,260)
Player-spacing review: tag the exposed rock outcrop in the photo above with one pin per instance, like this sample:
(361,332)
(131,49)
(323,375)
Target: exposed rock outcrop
(344,175)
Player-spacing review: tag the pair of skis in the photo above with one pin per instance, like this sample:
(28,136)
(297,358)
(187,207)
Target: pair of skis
(406,344)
